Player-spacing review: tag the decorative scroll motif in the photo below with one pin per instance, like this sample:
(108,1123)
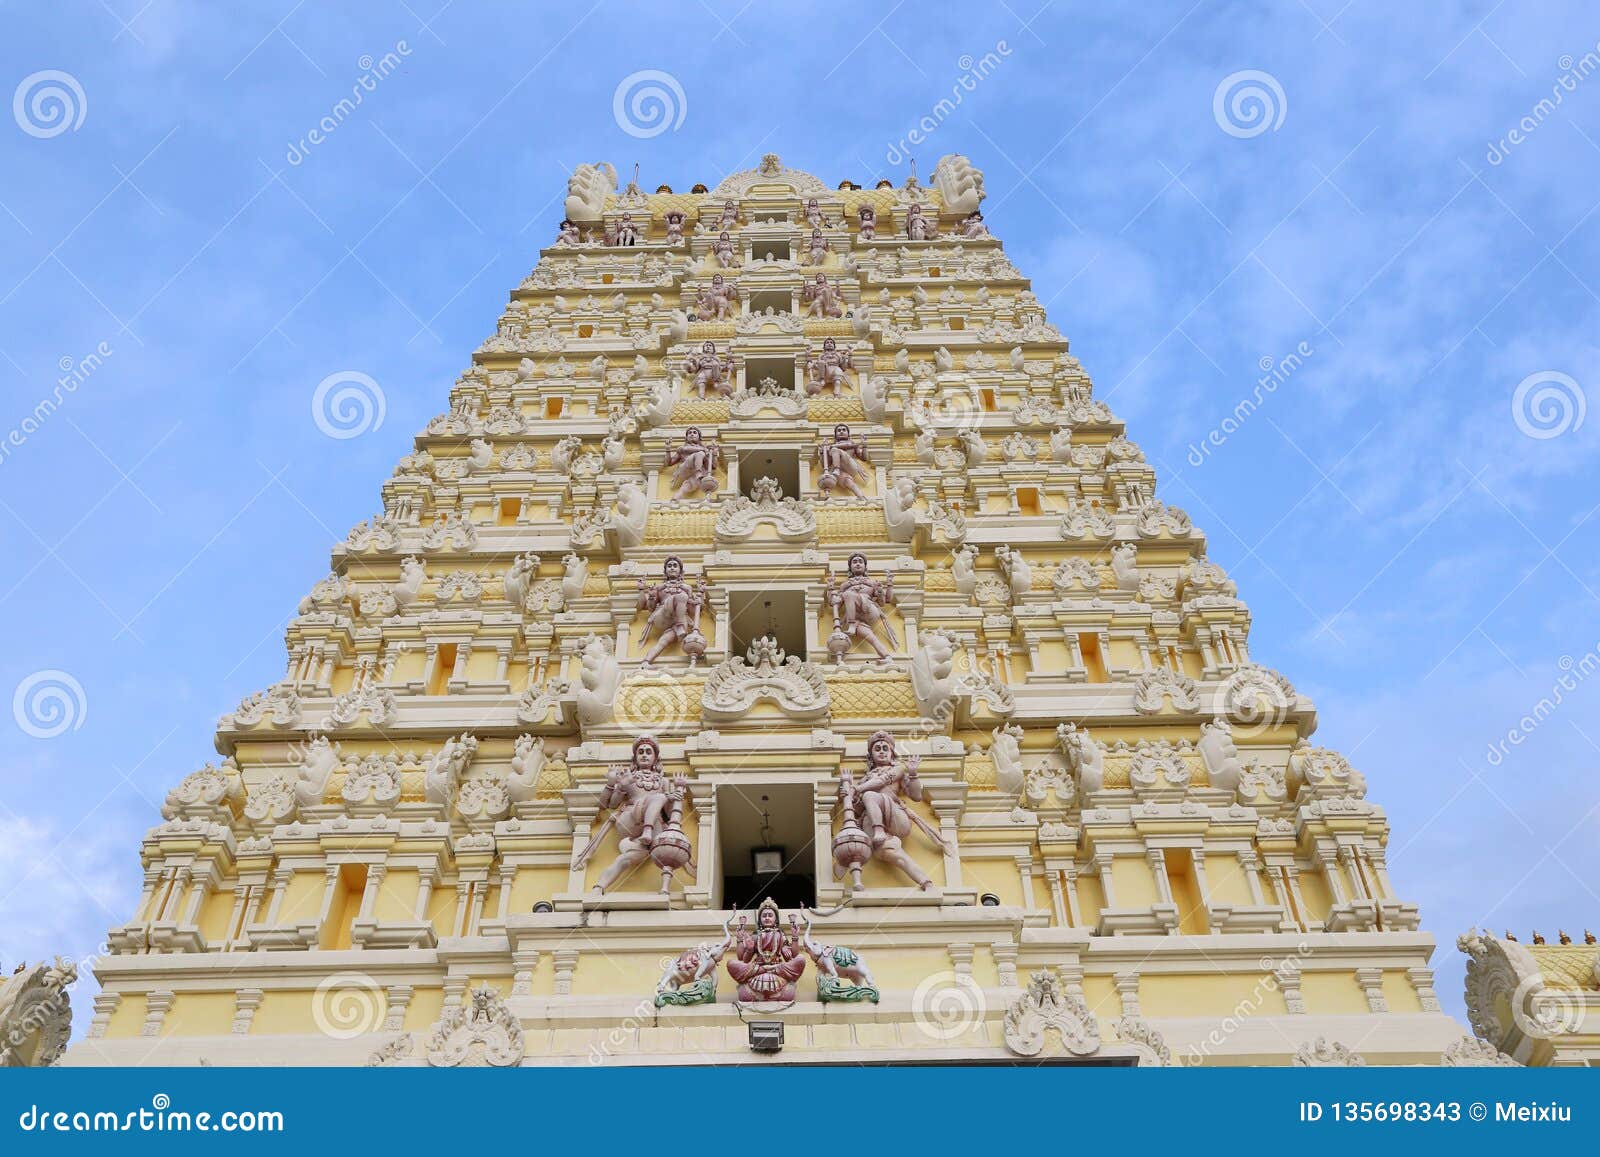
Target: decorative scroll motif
(36,1014)
(396,1052)
(1157,518)
(1152,689)
(480,1033)
(1146,1042)
(793,519)
(1046,1006)
(1325,1054)
(374,781)
(1470,1052)
(212,793)
(278,703)
(765,674)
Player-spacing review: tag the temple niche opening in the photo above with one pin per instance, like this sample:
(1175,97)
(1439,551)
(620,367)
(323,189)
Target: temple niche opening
(774,619)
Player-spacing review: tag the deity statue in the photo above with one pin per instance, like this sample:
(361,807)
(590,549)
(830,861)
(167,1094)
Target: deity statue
(814,214)
(827,371)
(858,610)
(841,461)
(626,232)
(695,461)
(644,805)
(716,301)
(767,962)
(709,371)
(674,608)
(730,216)
(722,249)
(569,234)
(869,223)
(822,298)
(674,228)
(874,808)
(918,227)
(972,225)
(816,248)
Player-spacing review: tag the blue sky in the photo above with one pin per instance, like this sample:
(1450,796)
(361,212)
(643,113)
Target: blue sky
(1417,561)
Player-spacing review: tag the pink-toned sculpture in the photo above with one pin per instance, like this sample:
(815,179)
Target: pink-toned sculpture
(875,805)
(972,225)
(814,214)
(708,371)
(858,605)
(767,962)
(868,217)
(717,301)
(816,248)
(643,803)
(569,234)
(821,298)
(722,249)
(827,371)
(674,608)
(674,228)
(841,461)
(730,216)
(918,227)
(695,464)
(627,233)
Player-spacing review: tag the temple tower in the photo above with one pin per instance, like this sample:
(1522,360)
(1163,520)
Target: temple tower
(774,548)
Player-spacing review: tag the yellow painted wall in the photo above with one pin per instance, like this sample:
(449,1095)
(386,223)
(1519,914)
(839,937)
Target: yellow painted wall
(215,914)
(128,1018)
(1132,882)
(1209,994)
(397,895)
(199,1014)
(1332,993)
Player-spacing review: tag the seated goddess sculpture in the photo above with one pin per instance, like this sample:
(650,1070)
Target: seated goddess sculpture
(767,962)
(722,249)
(695,464)
(816,248)
(627,231)
(841,461)
(972,225)
(858,605)
(876,818)
(674,228)
(814,214)
(730,216)
(569,234)
(674,608)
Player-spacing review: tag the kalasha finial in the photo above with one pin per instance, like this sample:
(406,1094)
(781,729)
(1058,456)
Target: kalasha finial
(1561,935)
(1537,939)
(1588,936)
(1511,936)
